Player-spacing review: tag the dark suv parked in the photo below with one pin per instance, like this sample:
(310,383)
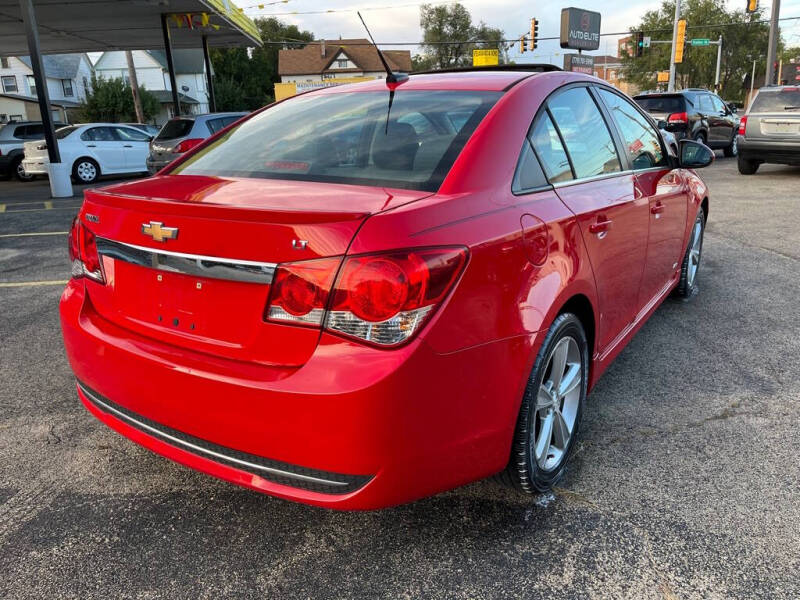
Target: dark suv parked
(12,137)
(695,114)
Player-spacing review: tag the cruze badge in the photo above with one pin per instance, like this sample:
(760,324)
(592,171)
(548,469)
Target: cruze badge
(157,231)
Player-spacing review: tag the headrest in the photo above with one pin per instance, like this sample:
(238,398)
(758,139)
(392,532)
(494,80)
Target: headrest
(395,148)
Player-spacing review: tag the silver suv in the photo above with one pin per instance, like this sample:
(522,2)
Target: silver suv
(770,131)
(12,137)
(180,134)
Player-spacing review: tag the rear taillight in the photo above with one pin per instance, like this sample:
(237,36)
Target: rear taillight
(680,117)
(83,252)
(383,298)
(187,145)
(742,125)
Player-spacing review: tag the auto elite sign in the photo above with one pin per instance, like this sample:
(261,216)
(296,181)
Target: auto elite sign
(580,29)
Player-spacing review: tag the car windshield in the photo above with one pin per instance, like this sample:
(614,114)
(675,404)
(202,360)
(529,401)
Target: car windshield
(661,104)
(65,131)
(350,137)
(776,100)
(175,128)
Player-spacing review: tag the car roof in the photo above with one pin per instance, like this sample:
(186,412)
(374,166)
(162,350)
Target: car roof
(489,80)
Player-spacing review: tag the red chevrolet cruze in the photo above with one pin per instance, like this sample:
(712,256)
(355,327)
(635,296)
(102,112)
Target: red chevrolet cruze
(368,294)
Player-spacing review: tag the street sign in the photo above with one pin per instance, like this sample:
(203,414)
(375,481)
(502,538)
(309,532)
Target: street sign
(646,41)
(700,42)
(579,63)
(485,58)
(663,76)
(580,29)
(680,41)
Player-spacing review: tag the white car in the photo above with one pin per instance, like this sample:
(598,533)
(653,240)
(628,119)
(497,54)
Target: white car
(92,150)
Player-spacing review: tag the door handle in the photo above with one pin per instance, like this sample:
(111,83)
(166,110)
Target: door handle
(127,146)
(599,227)
(657,208)
(91,145)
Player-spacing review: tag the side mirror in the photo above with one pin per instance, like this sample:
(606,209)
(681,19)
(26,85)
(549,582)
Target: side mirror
(694,155)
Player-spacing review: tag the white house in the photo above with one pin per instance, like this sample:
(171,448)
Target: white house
(68,79)
(152,74)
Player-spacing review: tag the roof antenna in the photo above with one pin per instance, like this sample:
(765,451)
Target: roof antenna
(391,77)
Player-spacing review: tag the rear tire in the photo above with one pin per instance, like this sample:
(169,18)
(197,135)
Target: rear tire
(747,167)
(85,170)
(551,410)
(18,171)
(687,285)
(733,149)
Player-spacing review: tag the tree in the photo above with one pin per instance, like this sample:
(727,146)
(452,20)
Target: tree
(453,23)
(744,40)
(111,100)
(245,79)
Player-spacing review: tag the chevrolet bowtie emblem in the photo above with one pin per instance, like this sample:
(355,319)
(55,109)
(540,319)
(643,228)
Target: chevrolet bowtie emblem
(157,231)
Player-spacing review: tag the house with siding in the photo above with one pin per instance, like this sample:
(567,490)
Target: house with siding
(152,74)
(68,79)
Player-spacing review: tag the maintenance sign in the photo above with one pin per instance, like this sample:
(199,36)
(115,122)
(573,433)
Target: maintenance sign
(580,29)
(579,63)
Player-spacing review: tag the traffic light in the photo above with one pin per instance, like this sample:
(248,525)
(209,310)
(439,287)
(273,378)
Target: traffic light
(752,6)
(534,41)
(680,41)
(521,44)
(639,43)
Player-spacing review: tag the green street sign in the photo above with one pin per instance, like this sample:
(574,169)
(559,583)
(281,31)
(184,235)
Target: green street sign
(700,42)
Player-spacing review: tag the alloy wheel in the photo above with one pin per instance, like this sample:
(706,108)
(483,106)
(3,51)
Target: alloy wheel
(557,404)
(695,249)
(86,171)
(21,175)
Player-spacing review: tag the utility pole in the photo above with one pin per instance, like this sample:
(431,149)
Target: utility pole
(719,62)
(752,81)
(137,100)
(671,84)
(772,49)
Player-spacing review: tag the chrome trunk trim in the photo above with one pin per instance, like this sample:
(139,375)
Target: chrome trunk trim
(189,264)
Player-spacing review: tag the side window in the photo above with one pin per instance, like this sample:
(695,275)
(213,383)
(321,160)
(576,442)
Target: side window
(545,141)
(131,135)
(705,104)
(98,134)
(642,142)
(585,133)
(214,125)
(719,106)
(529,174)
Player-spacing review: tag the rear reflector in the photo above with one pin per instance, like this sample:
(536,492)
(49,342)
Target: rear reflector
(82,246)
(383,299)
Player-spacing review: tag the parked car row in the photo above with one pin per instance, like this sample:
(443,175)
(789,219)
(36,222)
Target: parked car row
(95,149)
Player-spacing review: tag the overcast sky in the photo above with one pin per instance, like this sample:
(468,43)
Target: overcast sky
(400,23)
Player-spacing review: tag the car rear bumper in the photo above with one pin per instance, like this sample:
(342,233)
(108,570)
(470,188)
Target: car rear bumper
(769,150)
(35,166)
(154,166)
(354,428)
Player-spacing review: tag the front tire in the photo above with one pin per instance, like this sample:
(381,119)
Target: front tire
(551,410)
(747,167)
(85,170)
(687,286)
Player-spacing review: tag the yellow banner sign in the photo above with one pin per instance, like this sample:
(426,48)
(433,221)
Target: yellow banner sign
(663,76)
(485,58)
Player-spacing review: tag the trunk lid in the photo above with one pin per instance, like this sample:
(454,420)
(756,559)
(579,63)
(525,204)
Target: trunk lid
(773,126)
(192,294)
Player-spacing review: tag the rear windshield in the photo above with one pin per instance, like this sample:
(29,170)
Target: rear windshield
(777,100)
(175,128)
(350,137)
(661,104)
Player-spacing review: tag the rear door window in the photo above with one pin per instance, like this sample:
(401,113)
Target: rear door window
(585,133)
(642,143)
(705,104)
(128,134)
(99,134)
(780,100)
(214,125)
(547,145)
(175,128)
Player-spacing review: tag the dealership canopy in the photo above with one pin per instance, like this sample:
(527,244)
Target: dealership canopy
(101,25)
(37,27)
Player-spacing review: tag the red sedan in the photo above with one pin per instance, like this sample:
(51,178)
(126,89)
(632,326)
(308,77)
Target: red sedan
(368,294)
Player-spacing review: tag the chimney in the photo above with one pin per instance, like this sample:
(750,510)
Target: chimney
(322,48)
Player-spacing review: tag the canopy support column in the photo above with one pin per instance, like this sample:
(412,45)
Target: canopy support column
(170,65)
(32,32)
(212,101)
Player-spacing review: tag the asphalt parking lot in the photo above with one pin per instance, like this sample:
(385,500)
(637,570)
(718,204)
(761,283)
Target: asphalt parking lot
(686,482)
